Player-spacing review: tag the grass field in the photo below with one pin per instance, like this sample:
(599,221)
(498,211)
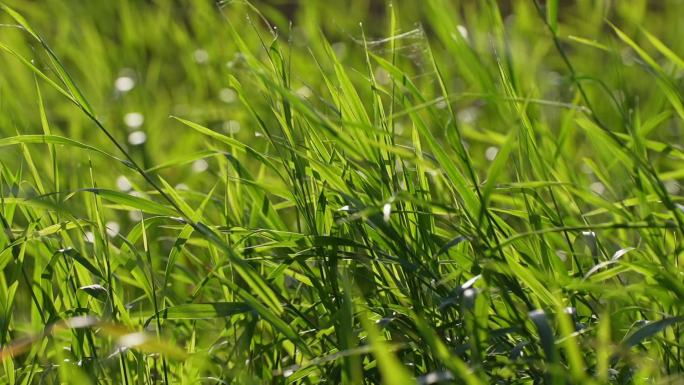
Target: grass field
(466,192)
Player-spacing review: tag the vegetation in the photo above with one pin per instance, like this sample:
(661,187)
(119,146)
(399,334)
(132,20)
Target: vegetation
(449,192)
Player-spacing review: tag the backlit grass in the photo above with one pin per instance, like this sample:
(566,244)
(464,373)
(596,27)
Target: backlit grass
(416,192)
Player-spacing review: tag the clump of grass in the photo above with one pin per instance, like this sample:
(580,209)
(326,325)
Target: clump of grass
(489,196)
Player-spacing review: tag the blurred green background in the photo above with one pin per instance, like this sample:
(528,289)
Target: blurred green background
(175,57)
(140,62)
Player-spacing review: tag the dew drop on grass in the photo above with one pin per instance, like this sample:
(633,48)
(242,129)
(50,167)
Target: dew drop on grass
(89,237)
(133,339)
(123,184)
(135,216)
(227,95)
(398,128)
(469,293)
(386,211)
(469,297)
(597,188)
(134,119)
(201,56)
(382,76)
(463,31)
(562,255)
(672,187)
(231,126)
(435,377)
(137,138)
(124,83)
(467,115)
(200,165)
(304,92)
(113,228)
(182,186)
(80,322)
(490,153)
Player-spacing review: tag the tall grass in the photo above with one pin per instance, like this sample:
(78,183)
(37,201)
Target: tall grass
(449,192)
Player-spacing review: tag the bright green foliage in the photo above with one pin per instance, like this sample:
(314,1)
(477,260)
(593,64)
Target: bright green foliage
(435,191)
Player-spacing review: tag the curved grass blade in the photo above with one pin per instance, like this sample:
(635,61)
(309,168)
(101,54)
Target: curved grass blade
(649,330)
(56,140)
(197,311)
(129,201)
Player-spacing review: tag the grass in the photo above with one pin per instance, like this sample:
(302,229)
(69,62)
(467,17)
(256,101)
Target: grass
(450,192)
